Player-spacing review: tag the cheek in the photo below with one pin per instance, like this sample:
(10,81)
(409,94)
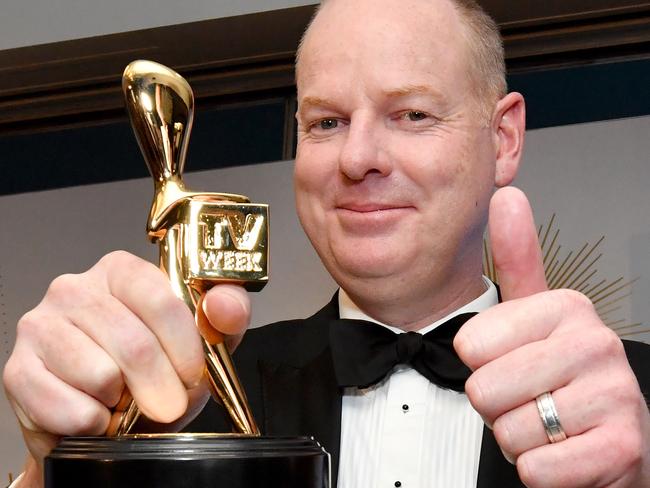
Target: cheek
(310,200)
(454,175)
(315,163)
(301,185)
(429,167)
(303,174)
(311,184)
(316,171)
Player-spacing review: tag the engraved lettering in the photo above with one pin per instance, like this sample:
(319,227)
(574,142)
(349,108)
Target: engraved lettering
(210,260)
(241,261)
(219,234)
(256,260)
(229,261)
(238,261)
(246,236)
(226,230)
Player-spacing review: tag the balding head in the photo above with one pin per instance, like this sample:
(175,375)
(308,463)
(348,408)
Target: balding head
(395,165)
(482,42)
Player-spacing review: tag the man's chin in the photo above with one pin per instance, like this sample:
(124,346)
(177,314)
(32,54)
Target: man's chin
(363,265)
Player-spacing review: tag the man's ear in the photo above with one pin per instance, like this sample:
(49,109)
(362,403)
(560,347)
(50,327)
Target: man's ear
(509,126)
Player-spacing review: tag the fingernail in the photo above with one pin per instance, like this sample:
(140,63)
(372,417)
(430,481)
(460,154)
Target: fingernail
(237,297)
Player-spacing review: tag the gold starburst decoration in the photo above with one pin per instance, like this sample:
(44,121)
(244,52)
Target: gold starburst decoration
(577,270)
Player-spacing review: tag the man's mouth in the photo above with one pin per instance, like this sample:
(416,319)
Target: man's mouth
(368,207)
(367,218)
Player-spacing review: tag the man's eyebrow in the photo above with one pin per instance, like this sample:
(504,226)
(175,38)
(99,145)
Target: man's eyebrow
(311,101)
(402,91)
(406,90)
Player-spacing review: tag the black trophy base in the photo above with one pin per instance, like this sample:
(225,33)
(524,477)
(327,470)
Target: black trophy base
(187,461)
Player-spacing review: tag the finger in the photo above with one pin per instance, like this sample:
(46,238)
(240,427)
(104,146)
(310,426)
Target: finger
(592,355)
(72,356)
(521,429)
(145,290)
(513,379)
(198,397)
(148,373)
(515,246)
(45,403)
(510,325)
(584,461)
(227,307)
(210,333)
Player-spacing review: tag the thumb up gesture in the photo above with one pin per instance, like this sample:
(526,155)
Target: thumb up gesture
(539,342)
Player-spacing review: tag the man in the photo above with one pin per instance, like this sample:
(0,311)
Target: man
(404,130)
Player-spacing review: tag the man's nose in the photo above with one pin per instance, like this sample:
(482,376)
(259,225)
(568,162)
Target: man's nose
(362,153)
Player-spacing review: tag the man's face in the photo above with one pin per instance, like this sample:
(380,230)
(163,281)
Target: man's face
(394,167)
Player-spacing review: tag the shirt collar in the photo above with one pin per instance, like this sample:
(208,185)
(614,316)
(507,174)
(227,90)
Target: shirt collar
(349,310)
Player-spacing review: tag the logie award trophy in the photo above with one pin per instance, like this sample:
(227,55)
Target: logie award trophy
(204,238)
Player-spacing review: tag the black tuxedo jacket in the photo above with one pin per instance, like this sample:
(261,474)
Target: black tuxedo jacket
(286,369)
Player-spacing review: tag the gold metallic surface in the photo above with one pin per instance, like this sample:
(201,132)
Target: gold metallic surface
(204,238)
(125,415)
(161,108)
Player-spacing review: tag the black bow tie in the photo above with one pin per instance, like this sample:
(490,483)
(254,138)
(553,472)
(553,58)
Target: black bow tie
(364,352)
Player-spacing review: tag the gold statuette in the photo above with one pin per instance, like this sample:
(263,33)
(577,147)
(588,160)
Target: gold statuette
(204,238)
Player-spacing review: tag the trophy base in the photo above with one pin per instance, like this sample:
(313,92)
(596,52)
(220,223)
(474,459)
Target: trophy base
(187,461)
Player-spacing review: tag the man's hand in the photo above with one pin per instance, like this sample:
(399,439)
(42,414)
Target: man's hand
(541,341)
(117,325)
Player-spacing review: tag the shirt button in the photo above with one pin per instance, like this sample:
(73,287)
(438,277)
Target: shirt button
(405,408)
(398,484)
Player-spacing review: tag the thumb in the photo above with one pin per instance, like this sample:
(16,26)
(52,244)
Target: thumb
(515,245)
(224,310)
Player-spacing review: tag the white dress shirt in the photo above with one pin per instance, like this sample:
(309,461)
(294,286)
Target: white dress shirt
(405,431)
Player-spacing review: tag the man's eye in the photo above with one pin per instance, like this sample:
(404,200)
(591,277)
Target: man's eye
(415,115)
(327,124)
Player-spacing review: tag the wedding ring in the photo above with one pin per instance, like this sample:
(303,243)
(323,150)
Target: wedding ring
(550,419)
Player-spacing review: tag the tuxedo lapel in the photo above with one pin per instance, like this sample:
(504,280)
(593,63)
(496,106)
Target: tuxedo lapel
(305,399)
(493,469)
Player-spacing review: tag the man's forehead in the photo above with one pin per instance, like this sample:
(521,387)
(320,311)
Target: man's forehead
(337,15)
(380,54)
(382,33)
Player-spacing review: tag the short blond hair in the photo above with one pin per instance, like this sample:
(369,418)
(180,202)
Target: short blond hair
(485,45)
(487,68)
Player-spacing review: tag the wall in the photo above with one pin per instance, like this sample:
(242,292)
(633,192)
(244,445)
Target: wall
(31,22)
(593,175)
